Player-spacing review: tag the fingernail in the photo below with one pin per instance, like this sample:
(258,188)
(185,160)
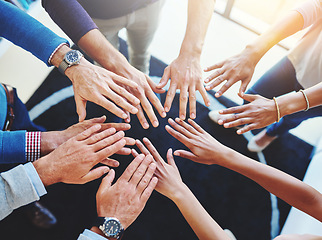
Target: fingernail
(220,122)
(192,115)
(176,154)
(170,120)
(137,101)
(206,80)
(166,109)
(145,125)
(155,123)
(182,117)
(124,115)
(163,114)
(134,110)
(106,170)
(220,111)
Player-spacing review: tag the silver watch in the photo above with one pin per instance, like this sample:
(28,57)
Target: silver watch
(71,58)
(110,226)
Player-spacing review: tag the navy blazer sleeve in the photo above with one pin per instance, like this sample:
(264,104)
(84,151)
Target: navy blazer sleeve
(25,31)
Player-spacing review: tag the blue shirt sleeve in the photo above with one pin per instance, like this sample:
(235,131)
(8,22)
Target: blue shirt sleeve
(35,179)
(89,235)
(70,16)
(26,32)
(3,107)
(12,147)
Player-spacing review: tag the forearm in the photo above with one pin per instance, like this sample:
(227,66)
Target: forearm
(200,221)
(95,45)
(284,186)
(199,15)
(283,28)
(295,101)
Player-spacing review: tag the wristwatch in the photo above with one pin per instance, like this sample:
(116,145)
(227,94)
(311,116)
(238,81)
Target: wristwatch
(110,226)
(71,58)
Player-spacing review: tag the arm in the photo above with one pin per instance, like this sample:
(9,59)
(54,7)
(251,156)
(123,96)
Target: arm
(205,149)
(170,184)
(261,112)
(241,67)
(12,145)
(80,27)
(185,71)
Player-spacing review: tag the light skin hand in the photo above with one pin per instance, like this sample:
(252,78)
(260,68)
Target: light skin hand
(185,74)
(204,148)
(169,179)
(259,113)
(52,139)
(146,94)
(126,198)
(72,162)
(237,68)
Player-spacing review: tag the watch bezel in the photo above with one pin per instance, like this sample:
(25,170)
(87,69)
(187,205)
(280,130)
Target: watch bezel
(104,226)
(72,61)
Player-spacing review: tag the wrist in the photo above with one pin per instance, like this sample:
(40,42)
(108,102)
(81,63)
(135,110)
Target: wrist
(49,142)
(45,173)
(180,193)
(253,53)
(59,54)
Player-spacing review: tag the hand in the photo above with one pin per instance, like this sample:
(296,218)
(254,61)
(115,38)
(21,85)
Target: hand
(144,92)
(259,113)
(72,162)
(204,148)
(53,139)
(237,68)
(98,85)
(169,179)
(126,198)
(185,74)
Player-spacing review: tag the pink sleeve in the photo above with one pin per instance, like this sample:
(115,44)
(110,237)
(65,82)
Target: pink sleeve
(311,11)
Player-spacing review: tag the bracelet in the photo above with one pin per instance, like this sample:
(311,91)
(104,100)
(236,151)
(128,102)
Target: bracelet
(306,99)
(277,109)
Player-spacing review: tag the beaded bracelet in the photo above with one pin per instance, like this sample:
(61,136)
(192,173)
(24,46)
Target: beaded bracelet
(277,110)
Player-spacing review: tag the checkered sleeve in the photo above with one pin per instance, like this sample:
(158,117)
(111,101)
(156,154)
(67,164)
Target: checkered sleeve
(32,146)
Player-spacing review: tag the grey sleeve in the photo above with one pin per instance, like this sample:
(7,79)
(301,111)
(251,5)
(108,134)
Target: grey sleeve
(16,189)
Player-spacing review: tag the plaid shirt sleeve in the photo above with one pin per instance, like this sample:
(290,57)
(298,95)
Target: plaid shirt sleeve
(32,146)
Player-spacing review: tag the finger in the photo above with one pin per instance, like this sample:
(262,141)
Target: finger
(107,180)
(243,87)
(94,174)
(165,78)
(183,102)
(249,97)
(179,128)
(156,103)
(192,102)
(154,86)
(170,96)
(215,82)
(148,191)
(110,162)
(225,87)
(153,151)
(111,149)
(149,110)
(233,117)
(121,102)
(170,158)
(232,110)
(117,126)
(180,137)
(186,154)
(239,122)
(80,107)
(128,118)
(187,126)
(129,171)
(215,74)
(141,147)
(110,106)
(196,126)
(134,153)
(124,151)
(141,170)
(121,91)
(247,128)
(98,119)
(88,132)
(95,138)
(146,178)
(204,94)
(212,67)
(124,81)
(142,119)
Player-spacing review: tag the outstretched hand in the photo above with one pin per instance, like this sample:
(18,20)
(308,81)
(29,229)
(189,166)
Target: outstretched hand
(169,179)
(237,68)
(185,74)
(259,113)
(204,148)
(73,161)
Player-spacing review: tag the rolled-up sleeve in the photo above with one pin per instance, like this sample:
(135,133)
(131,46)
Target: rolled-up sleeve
(12,147)
(89,235)
(311,11)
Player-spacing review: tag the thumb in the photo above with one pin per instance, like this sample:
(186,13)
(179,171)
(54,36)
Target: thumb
(108,179)
(170,157)
(165,78)
(80,108)
(248,97)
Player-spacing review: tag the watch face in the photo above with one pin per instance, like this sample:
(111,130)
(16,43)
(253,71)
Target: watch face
(112,227)
(72,57)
